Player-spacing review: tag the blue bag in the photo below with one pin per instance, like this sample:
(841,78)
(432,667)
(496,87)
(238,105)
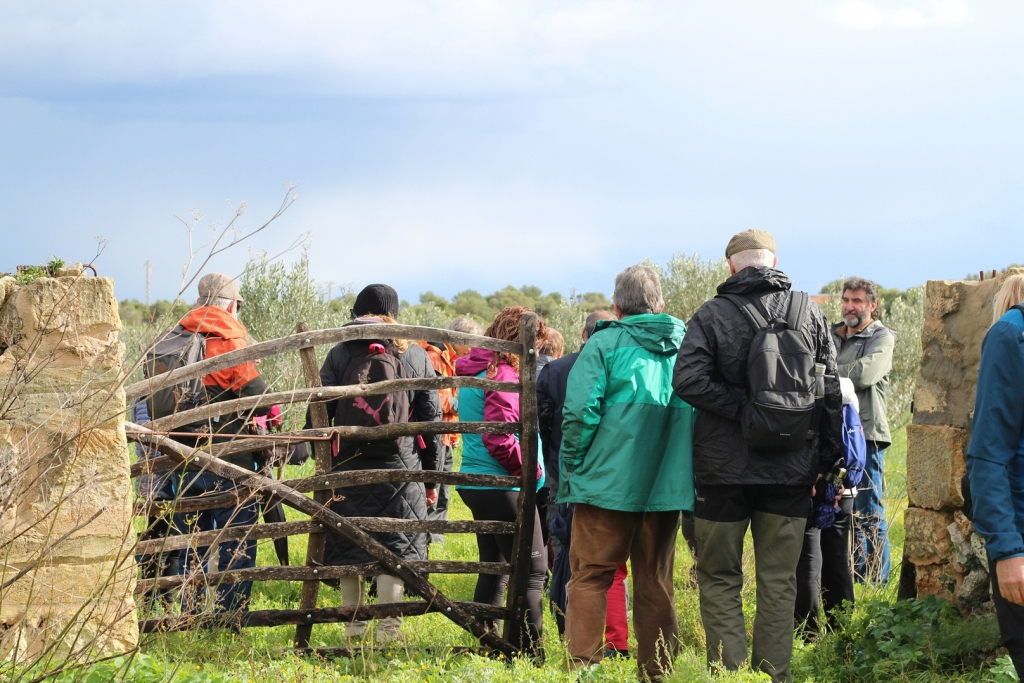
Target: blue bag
(855,447)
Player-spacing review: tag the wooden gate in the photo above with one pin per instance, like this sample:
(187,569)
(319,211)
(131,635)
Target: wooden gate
(321,519)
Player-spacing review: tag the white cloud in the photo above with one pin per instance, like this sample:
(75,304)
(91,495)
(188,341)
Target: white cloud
(866,16)
(347,45)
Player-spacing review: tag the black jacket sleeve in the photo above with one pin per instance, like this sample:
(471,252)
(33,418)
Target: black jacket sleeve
(545,418)
(830,429)
(695,378)
(426,406)
(255,387)
(330,376)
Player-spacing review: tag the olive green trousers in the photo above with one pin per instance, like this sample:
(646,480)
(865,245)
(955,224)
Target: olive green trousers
(777,544)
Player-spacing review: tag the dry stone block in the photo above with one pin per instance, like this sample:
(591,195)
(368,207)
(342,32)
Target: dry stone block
(90,599)
(948,554)
(957,315)
(935,465)
(66,502)
(928,540)
(68,320)
(975,588)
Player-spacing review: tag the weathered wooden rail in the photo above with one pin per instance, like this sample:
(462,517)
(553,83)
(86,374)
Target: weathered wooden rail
(208,457)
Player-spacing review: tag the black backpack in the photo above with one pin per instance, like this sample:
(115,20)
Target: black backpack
(373,360)
(174,350)
(780,377)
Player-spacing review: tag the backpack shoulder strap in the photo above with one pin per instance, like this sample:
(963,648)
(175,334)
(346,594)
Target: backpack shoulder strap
(748,308)
(798,302)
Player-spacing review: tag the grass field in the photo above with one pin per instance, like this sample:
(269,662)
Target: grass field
(263,654)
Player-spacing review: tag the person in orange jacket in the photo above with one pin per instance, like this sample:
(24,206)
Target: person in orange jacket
(215,316)
(443,357)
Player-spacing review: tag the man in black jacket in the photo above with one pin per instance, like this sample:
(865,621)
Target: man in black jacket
(738,486)
(551,398)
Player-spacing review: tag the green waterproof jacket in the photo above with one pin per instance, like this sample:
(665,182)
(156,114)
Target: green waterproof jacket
(627,439)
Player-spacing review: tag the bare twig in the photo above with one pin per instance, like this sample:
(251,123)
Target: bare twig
(33,563)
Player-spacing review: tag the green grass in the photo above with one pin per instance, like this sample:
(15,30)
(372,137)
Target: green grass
(264,654)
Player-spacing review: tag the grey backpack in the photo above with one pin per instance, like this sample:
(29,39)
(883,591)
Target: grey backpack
(174,350)
(780,377)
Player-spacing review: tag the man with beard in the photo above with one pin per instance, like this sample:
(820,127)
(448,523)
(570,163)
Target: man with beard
(865,347)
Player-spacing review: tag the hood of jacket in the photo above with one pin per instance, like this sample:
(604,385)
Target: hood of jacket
(210,320)
(441,356)
(756,279)
(656,332)
(474,363)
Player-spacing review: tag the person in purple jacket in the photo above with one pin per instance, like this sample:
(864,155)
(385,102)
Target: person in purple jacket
(500,454)
(995,463)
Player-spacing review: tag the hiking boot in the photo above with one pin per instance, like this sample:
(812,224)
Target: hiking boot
(355,630)
(389,630)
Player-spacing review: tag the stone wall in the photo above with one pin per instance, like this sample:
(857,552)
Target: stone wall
(65,493)
(948,557)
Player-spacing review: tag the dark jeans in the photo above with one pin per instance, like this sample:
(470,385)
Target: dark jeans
(440,509)
(823,576)
(232,554)
(160,564)
(503,506)
(1011,623)
(870,527)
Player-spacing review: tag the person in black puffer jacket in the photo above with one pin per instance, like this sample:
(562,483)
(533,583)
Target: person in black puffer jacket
(401,501)
(738,486)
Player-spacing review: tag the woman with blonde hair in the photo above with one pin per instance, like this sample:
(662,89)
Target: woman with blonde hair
(500,454)
(1010,294)
(367,361)
(995,463)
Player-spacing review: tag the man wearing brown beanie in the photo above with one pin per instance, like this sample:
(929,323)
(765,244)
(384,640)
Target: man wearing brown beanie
(765,432)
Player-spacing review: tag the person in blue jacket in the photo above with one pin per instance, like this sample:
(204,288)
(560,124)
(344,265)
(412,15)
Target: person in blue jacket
(995,463)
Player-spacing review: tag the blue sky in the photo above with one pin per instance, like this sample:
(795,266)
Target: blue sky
(451,145)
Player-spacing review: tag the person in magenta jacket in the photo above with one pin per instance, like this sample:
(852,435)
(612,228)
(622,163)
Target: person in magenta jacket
(500,454)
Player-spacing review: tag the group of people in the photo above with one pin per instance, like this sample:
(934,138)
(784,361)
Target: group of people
(732,421)
(656,420)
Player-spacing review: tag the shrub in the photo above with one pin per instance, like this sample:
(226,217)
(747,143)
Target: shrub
(687,282)
(881,640)
(277,298)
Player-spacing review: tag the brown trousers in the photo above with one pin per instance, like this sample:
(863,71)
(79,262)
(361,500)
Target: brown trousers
(602,540)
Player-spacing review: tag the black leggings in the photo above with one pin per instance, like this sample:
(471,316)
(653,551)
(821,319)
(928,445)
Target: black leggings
(823,574)
(502,506)
(1011,623)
